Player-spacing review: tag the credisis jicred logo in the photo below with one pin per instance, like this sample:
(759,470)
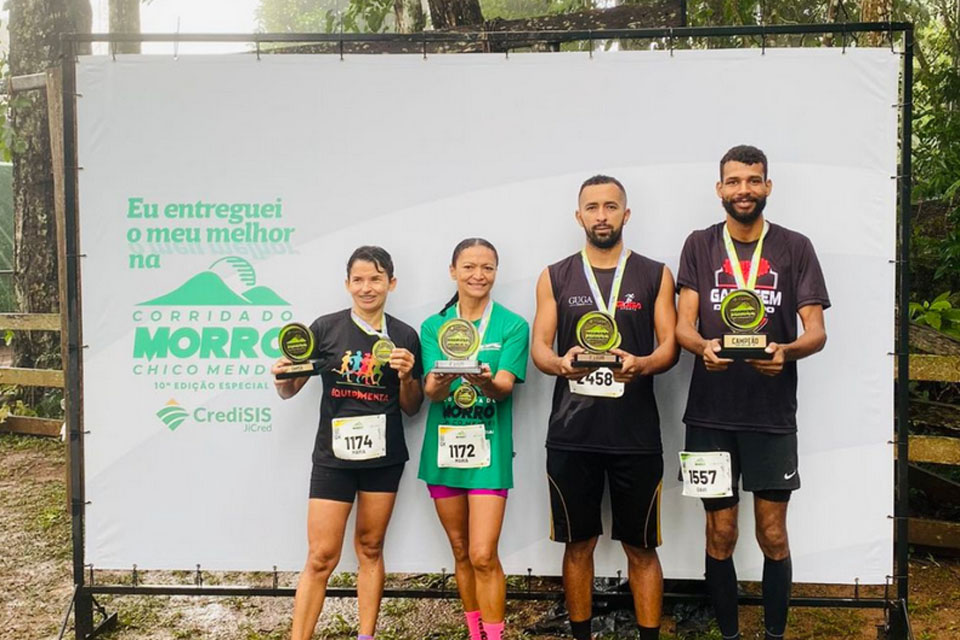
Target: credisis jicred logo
(208,288)
(172,414)
(249,418)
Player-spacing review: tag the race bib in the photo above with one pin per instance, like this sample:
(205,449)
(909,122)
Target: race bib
(463,447)
(598,383)
(706,474)
(360,437)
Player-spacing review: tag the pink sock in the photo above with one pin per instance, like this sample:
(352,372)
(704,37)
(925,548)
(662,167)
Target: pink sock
(473,624)
(363,637)
(493,630)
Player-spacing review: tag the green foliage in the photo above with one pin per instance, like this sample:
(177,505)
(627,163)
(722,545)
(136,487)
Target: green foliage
(519,9)
(324,16)
(936,140)
(376,16)
(370,16)
(294,16)
(47,405)
(937,127)
(939,314)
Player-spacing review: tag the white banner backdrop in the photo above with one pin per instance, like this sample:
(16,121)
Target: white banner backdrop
(221,196)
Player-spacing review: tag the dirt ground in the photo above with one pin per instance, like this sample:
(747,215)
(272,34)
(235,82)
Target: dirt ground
(35,574)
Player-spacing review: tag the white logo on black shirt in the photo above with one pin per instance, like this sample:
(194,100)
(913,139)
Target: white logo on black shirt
(580,301)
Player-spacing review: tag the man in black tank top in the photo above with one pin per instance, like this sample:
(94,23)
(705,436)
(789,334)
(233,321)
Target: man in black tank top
(604,422)
(743,412)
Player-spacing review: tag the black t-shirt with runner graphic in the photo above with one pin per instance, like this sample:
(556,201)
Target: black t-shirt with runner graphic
(355,384)
(789,278)
(629,424)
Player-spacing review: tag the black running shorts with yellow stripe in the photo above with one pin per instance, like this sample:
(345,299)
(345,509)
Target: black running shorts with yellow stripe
(576,480)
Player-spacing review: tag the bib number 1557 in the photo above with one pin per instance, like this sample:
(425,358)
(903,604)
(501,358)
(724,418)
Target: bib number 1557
(706,474)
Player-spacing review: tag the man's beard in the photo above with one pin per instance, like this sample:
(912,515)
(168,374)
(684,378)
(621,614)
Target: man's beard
(607,242)
(746,218)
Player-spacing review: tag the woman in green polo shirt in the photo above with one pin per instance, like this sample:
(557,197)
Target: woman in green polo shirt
(467,456)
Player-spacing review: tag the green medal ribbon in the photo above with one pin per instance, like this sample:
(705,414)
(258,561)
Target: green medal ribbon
(610,308)
(463,397)
(382,348)
(751,280)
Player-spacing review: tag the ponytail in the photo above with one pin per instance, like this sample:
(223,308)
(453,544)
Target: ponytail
(452,301)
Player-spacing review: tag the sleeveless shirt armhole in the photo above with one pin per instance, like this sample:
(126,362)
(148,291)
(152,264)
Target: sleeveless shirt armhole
(553,283)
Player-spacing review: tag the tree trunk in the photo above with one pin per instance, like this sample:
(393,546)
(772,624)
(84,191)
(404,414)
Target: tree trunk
(125,18)
(873,11)
(409,16)
(445,14)
(35,28)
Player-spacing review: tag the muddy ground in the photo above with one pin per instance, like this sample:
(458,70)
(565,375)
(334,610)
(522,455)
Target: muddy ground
(35,574)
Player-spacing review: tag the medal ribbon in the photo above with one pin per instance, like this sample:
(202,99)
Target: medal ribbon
(610,308)
(484,323)
(751,281)
(368,329)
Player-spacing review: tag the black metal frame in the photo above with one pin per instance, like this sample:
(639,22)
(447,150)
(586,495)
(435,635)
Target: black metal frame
(83,600)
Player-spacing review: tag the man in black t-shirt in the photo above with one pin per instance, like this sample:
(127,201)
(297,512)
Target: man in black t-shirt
(748,407)
(604,424)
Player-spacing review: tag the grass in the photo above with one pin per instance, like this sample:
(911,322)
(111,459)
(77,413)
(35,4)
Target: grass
(831,623)
(396,607)
(448,631)
(342,580)
(10,442)
(52,509)
(339,627)
(249,633)
(136,612)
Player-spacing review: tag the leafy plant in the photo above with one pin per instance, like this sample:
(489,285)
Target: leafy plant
(939,314)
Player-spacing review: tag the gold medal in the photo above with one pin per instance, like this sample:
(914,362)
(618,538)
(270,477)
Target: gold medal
(465,396)
(382,349)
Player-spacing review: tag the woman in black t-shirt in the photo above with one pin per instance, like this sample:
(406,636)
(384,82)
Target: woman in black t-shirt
(360,447)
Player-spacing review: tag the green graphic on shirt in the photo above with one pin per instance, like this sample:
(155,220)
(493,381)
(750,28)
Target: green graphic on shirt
(172,415)
(208,288)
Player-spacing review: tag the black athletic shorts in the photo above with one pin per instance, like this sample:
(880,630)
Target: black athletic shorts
(767,461)
(576,480)
(331,483)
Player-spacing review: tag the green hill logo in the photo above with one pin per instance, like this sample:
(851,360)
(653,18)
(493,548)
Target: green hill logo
(208,288)
(172,415)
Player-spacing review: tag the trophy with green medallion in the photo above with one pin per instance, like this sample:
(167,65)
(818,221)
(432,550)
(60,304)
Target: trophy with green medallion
(597,330)
(296,344)
(742,310)
(459,341)
(597,333)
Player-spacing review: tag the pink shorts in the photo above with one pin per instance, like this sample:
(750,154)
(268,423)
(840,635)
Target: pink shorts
(438,491)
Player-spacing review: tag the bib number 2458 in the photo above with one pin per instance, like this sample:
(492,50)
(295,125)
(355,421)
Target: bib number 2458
(598,383)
